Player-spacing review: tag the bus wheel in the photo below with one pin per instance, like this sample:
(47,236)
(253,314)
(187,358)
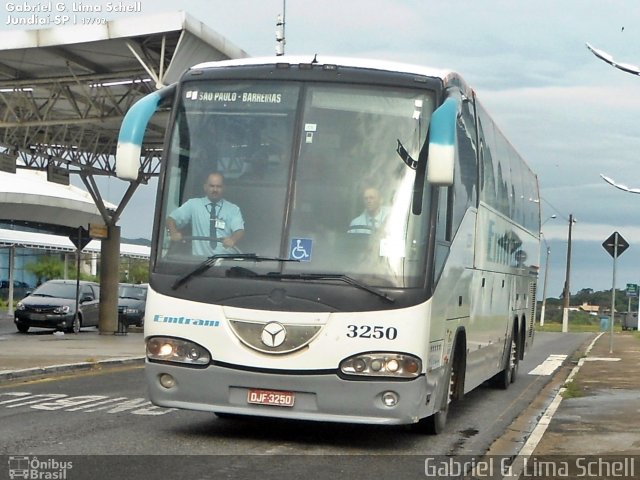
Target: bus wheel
(436,423)
(508,375)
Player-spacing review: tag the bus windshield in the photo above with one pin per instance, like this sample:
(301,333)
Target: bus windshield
(311,174)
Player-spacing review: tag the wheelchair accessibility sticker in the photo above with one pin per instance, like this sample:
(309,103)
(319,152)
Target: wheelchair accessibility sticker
(300,249)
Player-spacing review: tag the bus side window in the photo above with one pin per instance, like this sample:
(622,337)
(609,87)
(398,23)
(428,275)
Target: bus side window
(443,229)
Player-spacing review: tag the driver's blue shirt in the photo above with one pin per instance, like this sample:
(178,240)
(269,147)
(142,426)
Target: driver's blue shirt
(197,211)
(368,224)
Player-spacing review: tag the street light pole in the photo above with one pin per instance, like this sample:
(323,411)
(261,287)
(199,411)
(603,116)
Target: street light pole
(546,270)
(544,286)
(567,292)
(280,26)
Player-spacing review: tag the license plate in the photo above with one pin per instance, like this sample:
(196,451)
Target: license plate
(270,397)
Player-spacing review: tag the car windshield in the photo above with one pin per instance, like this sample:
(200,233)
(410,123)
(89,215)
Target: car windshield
(58,290)
(126,291)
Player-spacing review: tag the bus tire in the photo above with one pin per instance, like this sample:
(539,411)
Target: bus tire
(507,376)
(436,423)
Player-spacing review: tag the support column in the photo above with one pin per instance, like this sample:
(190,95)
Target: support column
(12,266)
(109,277)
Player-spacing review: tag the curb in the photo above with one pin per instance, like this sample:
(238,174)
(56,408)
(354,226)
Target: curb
(8,375)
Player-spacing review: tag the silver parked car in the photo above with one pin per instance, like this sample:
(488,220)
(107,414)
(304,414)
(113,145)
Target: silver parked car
(52,305)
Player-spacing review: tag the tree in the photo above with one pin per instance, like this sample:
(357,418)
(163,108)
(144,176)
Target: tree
(134,271)
(46,268)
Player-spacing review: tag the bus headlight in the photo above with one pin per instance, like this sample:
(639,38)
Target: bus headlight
(382,364)
(166,349)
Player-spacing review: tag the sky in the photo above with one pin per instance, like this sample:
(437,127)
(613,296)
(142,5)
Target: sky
(570,115)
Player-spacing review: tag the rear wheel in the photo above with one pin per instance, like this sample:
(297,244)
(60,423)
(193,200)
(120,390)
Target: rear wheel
(508,375)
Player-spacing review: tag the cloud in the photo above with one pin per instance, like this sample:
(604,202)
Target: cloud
(590,232)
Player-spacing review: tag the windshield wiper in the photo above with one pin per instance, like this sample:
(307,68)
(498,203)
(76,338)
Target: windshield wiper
(208,263)
(331,276)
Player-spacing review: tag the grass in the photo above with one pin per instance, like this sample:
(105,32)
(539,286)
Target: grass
(578,322)
(572,390)
(574,327)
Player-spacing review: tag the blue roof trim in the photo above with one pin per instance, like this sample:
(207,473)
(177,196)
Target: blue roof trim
(137,118)
(443,123)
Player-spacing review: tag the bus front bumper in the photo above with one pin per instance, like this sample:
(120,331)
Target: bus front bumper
(320,397)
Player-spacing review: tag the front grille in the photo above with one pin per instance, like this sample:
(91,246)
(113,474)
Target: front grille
(41,308)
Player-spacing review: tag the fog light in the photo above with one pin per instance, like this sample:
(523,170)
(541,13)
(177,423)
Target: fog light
(390,399)
(167,381)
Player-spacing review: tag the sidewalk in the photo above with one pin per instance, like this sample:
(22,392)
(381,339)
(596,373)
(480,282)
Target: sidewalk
(36,354)
(600,412)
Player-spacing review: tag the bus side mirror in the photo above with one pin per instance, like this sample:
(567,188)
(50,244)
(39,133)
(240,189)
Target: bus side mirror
(132,131)
(440,167)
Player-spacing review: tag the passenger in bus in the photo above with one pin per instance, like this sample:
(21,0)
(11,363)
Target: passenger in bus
(374,214)
(216,223)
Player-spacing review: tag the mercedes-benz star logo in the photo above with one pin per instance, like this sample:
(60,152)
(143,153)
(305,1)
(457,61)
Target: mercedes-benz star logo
(273,334)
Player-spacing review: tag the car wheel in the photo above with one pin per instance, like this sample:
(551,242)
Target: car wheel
(76,325)
(22,328)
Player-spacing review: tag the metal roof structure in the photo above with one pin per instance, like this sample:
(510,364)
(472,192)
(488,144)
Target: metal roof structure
(64,92)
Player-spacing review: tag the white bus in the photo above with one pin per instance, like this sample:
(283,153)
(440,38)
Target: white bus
(315,314)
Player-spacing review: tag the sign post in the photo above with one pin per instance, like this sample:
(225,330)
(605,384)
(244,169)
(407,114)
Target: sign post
(615,245)
(632,291)
(80,238)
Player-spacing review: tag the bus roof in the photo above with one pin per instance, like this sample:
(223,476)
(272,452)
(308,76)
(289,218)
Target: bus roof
(382,65)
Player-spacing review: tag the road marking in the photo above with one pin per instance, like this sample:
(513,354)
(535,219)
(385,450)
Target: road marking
(550,365)
(82,403)
(602,359)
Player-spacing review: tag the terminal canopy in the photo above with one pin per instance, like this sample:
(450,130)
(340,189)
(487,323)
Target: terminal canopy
(64,90)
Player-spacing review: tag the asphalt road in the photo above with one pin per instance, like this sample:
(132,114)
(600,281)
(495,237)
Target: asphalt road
(96,414)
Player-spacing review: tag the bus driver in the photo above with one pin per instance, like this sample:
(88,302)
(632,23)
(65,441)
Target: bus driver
(374,214)
(216,224)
